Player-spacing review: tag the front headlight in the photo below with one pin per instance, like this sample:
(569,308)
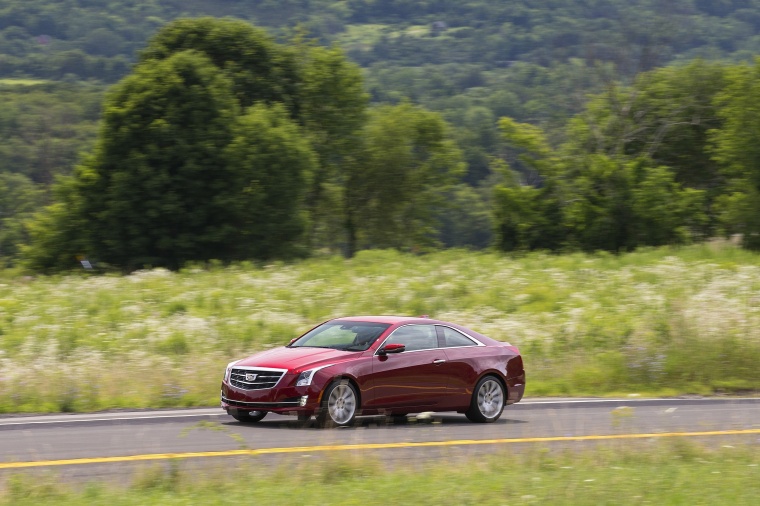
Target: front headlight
(304,379)
(227,371)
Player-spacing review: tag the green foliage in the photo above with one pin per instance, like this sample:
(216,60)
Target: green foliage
(620,205)
(635,168)
(318,87)
(155,190)
(260,71)
(642,140)
(58,233)
(223,144)
(467,221)
(273,162)
(332,109)
(738,152)
(665,117)
(408,162)
(45,126)
(527,218)
(665,212)
(19,198)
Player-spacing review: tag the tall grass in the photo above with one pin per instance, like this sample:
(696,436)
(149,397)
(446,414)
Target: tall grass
(676,472)
(657,321)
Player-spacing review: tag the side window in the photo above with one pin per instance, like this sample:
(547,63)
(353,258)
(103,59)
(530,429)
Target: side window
(453,338)
(415,337)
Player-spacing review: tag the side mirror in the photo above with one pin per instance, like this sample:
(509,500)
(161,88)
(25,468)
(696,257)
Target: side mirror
(391,348)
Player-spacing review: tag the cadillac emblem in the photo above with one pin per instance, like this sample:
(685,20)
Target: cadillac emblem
(250,376)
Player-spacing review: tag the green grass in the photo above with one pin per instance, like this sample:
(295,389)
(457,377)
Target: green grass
(653,322)
(362,37)
(673,472)
(22,82)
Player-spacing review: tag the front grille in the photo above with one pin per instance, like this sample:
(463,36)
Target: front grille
(264,378)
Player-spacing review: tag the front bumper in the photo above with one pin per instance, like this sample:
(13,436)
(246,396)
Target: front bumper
(265,406)
(284,398)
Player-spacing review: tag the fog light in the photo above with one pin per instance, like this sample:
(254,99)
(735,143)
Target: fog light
(303,400)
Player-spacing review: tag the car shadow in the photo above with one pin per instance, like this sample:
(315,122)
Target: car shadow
(375,421)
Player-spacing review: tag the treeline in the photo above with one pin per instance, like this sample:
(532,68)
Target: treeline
(224,144)
(310,152)
(673,158)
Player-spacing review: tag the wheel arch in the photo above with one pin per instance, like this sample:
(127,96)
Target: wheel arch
(495,373)
(350,379)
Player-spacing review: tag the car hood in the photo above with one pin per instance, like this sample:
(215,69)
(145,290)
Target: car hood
(297,359)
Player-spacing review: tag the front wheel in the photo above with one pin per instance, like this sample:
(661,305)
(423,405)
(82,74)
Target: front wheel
(248,416)
(487,401)
(339,405)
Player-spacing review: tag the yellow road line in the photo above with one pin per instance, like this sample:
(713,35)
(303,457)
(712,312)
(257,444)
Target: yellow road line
(365,446)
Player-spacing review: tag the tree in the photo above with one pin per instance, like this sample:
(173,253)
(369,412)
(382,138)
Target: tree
(43,128)
(207,149)
(666,117)
(738,152)
(155,190)
(529,217)
(19,198)
(617,205)
(260,70)
(394,192)
(591,201)
(333,107)
(467,221)
(319,88)
(273,162)
(58,233)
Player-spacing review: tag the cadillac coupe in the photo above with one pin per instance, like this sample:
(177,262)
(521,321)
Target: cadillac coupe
(377,365)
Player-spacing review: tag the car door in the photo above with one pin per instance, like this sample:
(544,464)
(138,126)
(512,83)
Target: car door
(462,356)
(414,378)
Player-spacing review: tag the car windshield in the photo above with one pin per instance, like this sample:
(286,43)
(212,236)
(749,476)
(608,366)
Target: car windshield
(346,335)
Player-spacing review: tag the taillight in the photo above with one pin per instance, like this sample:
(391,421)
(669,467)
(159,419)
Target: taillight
(512,348)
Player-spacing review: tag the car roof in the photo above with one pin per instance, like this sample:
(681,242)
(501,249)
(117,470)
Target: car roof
(419,320)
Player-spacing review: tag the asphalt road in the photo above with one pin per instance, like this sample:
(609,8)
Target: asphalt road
(110,444)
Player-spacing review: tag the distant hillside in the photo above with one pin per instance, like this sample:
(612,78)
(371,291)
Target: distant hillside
(98,38)
(472,60)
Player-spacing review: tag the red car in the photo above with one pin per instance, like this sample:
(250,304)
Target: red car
(377,365)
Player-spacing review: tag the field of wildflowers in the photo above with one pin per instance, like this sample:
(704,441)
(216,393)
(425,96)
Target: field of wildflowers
(653,322)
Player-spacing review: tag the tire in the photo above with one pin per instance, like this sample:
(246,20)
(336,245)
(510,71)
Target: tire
(339,405)
(488,399)
(248,416)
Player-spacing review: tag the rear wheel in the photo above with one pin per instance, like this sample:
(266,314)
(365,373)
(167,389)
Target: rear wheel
(248,416)
(339,405)
(487,401)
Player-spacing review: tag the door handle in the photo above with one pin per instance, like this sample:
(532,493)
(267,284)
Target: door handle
(438,361)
